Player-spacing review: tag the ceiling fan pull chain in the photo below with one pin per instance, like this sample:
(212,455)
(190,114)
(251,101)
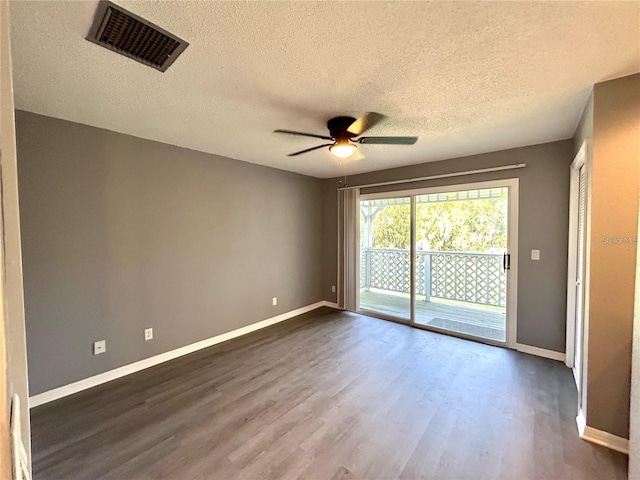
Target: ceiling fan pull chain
(344,166)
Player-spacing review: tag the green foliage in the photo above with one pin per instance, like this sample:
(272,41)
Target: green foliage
(463,226)
(391,227)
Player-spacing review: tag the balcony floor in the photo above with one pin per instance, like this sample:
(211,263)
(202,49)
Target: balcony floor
(465,319)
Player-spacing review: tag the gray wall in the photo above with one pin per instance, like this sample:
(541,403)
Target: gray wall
(584,131)
(120,234)
(612,266)
(543,225)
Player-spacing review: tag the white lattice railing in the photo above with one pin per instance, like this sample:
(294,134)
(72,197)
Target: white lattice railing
(466,277)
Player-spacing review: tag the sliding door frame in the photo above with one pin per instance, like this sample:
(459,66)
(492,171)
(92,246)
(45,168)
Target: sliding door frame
(512,185)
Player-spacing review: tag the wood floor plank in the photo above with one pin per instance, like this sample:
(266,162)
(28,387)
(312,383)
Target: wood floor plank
(327,395)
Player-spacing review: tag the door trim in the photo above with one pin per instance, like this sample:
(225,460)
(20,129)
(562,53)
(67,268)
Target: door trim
(512,246)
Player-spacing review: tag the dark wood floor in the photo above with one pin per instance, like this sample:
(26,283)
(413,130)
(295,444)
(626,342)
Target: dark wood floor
(329,395)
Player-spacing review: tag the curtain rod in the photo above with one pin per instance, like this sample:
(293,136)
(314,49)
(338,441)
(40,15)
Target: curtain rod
(444,175)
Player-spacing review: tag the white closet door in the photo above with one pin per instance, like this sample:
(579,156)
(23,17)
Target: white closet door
(579,306)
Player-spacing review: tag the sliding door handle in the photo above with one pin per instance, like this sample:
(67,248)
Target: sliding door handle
(506,261)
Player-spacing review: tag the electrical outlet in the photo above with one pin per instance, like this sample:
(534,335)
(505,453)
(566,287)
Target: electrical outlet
(148,333)
(275,301)
(535,254)
(99,347)
(333,288)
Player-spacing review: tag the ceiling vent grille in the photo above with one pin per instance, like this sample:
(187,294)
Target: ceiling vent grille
(123,32)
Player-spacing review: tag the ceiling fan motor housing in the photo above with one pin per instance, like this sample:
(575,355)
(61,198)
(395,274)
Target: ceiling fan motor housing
(338,127)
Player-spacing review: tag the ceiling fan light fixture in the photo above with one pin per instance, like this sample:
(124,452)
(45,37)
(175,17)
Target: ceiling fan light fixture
(342,148)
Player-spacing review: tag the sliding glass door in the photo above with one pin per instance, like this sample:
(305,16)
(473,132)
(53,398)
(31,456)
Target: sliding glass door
(441,259)
(461,240)
(385,256)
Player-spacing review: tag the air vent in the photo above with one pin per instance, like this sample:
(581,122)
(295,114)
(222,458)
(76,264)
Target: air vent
(127,34)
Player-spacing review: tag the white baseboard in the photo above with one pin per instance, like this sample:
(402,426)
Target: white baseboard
(101,378)
(600,437)
(331,304)
(540,352)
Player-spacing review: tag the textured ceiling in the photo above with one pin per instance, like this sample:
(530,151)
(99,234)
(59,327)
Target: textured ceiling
(467,77)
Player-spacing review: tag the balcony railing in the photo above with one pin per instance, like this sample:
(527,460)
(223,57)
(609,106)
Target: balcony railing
(467,277)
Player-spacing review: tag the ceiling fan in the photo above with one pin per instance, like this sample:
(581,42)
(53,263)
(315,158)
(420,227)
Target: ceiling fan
(342,133)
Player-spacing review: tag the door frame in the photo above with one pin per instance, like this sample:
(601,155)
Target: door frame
(12,295)
(582,159)
(512,184)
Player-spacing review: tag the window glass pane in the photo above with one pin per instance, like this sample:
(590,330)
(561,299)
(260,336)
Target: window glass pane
(385,262)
